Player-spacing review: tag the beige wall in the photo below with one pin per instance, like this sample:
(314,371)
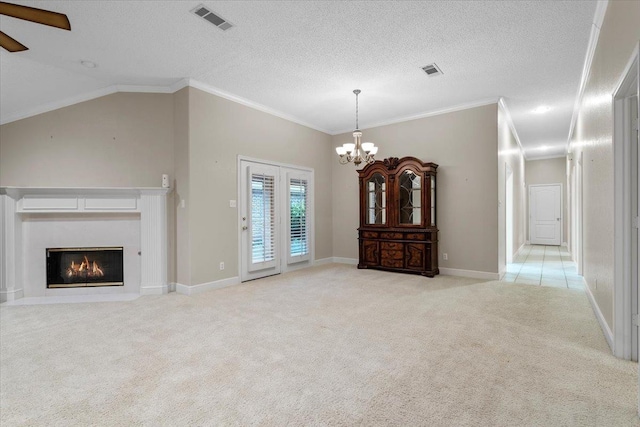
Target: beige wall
(119,140)
(464,145)
(593,138)
(131,139)
(219,131)
(509,153)
(549,171)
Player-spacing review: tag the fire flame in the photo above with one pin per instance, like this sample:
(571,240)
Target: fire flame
(86,268)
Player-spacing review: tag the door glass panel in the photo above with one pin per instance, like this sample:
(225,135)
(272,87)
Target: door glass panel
(298,236)
(262,218)
(433,201)
(376,200)
(410,198)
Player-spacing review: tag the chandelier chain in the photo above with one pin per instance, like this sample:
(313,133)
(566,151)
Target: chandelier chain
(356,108)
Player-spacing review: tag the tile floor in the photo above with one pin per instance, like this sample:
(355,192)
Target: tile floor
(544,266)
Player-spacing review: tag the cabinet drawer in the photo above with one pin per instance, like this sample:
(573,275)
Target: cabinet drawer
(391,235)
(369,234)
(415,236)
(395,263)
(391,246)
(392,255)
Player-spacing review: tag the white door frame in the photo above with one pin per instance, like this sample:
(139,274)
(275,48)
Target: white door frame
(508,188)
(561,210)
(625,291)
(285,266)
(579,250)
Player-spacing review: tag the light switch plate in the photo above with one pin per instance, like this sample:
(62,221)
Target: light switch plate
(232,203)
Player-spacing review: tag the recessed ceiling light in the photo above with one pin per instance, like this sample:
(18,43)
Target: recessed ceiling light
(542,109)
(89,64)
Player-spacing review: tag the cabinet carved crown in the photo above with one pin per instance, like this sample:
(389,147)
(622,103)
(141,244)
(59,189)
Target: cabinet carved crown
(398,230)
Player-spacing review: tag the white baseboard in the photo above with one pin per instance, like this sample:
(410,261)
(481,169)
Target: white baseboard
(323,261)
(11,295)
(202,287)
(172,286)
(469,273)
(154,290)
(341,260)
(564,244)
(608,335)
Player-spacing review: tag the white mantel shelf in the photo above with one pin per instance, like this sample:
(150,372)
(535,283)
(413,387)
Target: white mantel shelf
(149,202)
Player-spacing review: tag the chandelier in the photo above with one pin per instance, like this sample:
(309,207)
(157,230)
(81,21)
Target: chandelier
(358,151)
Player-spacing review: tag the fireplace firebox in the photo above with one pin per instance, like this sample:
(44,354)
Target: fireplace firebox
(81,267)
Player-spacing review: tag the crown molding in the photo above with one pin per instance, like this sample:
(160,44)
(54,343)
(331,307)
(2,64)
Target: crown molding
(187,82)
(180,84)
(143,89)
(453,109)
(552,156)
(503,105)
(598,19)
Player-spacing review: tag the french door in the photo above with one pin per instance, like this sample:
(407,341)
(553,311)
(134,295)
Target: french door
(275,217)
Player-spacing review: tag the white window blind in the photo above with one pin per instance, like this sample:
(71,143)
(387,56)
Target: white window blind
(263,226)
(298,219)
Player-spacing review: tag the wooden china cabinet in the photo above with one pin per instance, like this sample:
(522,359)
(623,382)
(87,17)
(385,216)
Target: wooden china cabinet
(398,216)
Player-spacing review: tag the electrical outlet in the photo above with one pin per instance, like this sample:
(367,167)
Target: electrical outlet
(182,203)
(222,266)
(445,256)
(232,203)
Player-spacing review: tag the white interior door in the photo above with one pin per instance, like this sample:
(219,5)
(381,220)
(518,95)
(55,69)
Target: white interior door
(260,211)
(545,214)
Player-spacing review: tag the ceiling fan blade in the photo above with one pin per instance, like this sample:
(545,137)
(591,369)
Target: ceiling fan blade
(39,16)
(11,44)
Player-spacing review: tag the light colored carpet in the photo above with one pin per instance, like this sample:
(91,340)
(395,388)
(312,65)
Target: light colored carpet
(331,345)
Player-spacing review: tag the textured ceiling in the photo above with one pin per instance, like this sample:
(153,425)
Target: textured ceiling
(303,59)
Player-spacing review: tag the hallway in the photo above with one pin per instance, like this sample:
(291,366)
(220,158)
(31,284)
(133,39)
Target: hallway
(544,266)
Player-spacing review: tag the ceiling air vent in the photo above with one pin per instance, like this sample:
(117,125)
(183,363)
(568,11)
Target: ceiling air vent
(432,70)
(216,20)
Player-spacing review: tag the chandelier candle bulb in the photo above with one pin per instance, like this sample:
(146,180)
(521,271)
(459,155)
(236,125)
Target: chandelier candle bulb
(367,146)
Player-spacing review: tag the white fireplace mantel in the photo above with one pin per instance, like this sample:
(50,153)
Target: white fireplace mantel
(149,203)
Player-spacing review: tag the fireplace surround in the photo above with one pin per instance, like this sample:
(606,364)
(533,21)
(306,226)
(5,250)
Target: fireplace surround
(34,219)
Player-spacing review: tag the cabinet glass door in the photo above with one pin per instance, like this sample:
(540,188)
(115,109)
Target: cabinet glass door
(410,198)
(433,201)
(376,198)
